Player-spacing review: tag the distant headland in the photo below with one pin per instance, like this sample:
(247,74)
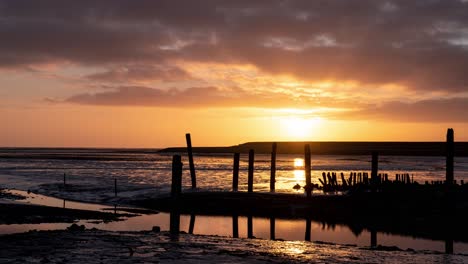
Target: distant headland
(336,148)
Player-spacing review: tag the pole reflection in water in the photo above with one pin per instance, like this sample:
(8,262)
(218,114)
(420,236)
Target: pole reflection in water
(235,226)
(250,226)
(373,238)
(272,228)
(174,225)
(308,229)
(192,223)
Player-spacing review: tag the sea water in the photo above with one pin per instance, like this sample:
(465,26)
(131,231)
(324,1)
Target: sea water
(141,168)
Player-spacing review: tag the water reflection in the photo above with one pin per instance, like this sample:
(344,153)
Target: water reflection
(266,228)
(304,229)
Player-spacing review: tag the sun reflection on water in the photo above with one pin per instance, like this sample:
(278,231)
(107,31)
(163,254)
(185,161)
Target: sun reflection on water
(299,174)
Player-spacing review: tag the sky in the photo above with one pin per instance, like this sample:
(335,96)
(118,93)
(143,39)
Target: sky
(141,74)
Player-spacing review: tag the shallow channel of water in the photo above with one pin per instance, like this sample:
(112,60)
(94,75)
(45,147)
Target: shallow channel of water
(287,229)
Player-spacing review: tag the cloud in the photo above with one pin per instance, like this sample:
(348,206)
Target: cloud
(419,44)
(436,110)
(141,73)
(191,97)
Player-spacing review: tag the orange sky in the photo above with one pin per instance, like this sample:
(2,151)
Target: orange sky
(144,73)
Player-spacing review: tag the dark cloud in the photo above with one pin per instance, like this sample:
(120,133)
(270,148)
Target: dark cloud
(141,73)
(420,44)
(191,97)
(437,110)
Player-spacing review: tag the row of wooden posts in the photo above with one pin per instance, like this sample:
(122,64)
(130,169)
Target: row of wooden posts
(375,178)
(332,182)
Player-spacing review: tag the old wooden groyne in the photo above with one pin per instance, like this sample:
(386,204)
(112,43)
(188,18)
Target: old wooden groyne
(435,210)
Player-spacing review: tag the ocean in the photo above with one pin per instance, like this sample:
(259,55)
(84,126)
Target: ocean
(148,169)
(90,174)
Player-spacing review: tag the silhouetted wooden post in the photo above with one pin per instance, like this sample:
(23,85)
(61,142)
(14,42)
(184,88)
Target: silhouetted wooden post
(375,167)
(273,168)
(115,187)
(308,186)
(64,181)
(308,229)
(235,172)
(251,171)
(250,226)
(235,226)
(191,164)
(192,223)
(450,154)
(272,228)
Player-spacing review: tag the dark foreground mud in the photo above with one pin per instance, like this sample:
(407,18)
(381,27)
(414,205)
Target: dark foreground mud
(94,246)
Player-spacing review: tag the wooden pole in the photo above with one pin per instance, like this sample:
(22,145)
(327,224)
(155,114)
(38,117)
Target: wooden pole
(251,171)
(64,181)
(176,187)
(273,168)
(450,156)
(375,167)
(308,186)
(235,172)
(191,164)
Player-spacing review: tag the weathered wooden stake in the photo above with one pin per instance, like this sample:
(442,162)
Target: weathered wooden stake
(450,154)
(250,226)
(235,226)
(375,167)
(273,168)
(272,228)
(191,164)
(64,181)
(235,172)
(176,187)
(115,187)
(251,171)
(308,186)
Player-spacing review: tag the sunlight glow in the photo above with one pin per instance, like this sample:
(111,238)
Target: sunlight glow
(298,162)
(300,128)
(299,176)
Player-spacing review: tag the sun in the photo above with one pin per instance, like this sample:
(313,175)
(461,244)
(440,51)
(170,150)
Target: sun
(300,128)
(298,162)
